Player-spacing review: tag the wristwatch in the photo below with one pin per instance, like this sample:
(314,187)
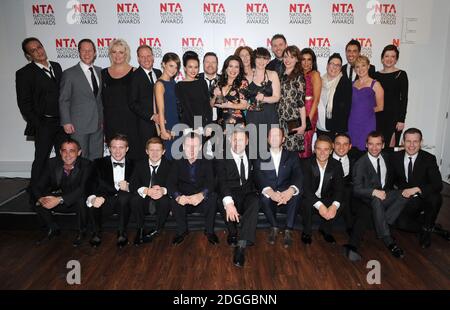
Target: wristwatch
(61,201)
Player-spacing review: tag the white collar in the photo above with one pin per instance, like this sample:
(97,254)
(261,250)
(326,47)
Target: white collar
(85,67)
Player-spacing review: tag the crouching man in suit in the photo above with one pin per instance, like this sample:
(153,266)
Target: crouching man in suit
(238,195)
(323,190)
(149,183)
(61,188)
(109,190)
(373,184)
(280,181)
(191,187)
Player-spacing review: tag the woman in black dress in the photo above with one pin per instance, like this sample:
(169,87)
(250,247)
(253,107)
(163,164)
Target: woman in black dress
(193,94)
(391,121)
(116,83)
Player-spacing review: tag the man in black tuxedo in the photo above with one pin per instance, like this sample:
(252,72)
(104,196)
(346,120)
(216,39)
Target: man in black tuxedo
(238,195)
(37,88)
(353,51)
(149,183)
(61,188)
(347,156)
(142,101)
(191,188)
(209,74)
(323,190)
(373,184)
(278,44)
(109,190)
(417,174)
(279,178)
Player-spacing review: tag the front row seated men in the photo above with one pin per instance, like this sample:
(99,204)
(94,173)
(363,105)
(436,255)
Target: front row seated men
(191,187)
(61,188)
(373,184)
(323,188)
(238,195)
(149,182)
(417,174)
(109,190)
(279,179)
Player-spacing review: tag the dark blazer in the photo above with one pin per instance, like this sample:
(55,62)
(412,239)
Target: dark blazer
(72,190)
(141,175)
(289,172)
(333,182)
(102,177)
(371,72)
(229,182)
(425,175)
(353,155)
(141,101)
(36,91)
(179,181)
(342,103)
(365,178)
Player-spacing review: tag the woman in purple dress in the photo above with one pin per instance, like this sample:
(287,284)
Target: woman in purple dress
(367,99)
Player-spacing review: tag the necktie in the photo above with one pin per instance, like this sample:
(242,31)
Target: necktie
(410,170)
(379,172)
(242,171)
(340,159)
(52,76)
(94,82)
(118,164)
(151,204)
(151,77)
(351,74)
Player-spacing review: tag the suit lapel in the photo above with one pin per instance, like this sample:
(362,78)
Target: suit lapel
(82,77)
(109,173)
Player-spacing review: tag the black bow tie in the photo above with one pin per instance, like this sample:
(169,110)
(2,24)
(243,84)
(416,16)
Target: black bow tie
(118,164)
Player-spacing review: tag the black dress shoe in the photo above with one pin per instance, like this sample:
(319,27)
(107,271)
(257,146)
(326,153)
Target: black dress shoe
(79,239)
(122,239)
(327,237)
(51,234)
(179,238)
(141,237)
(232,240)
(438,230)
(95,241)
(273,235)
(239,257)
(351,253)
(425,238)
(396,251)
(212,238)
(306,239)
(287,241)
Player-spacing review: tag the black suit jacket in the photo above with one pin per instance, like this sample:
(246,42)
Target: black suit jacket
(289,173)
(353,155)
(35,91)
(371,72)
(141,101)
(333,182)
(228,179)
(342,103)
(102,177)
(179,181)
(365,178)
(142,173)
(51,181)
(425,175)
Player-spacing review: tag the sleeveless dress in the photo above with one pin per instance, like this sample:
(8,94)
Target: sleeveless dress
(362,115)
(307,142)
(170,112)
(232,116)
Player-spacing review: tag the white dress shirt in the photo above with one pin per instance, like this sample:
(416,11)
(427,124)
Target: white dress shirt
(153,74)
(276,159)
(373,160)
(47,69)
(87,73)
(141,189)
(345,161)
(319,189)
(406,163)
(237,159)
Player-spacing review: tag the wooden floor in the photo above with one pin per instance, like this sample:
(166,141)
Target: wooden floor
(195,264)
